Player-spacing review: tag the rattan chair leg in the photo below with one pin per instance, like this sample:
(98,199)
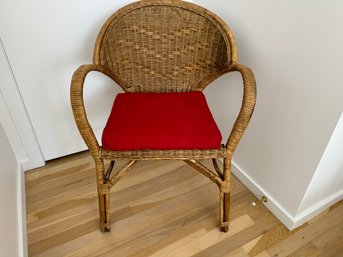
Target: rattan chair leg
(103,197)
(104,211)
(225,210)
(225,196)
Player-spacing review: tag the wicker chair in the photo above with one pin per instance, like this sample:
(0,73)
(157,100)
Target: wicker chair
(162,48)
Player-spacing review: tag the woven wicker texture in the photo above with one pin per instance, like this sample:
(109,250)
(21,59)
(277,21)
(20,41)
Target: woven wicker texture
(164,46)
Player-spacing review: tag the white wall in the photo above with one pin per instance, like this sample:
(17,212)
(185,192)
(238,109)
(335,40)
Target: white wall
(14,159)
(9,243)
(294,49)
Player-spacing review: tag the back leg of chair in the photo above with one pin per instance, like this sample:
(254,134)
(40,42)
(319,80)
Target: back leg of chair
(225,196)
(103,197)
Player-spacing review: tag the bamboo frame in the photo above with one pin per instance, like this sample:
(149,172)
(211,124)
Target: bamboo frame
(110,58)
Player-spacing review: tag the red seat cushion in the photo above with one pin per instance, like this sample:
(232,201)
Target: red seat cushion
(160,121)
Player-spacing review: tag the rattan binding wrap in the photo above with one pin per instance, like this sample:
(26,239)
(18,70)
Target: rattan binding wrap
(164,154)
(164,46)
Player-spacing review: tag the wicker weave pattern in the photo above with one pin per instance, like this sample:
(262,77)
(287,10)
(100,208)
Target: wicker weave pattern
(163,49)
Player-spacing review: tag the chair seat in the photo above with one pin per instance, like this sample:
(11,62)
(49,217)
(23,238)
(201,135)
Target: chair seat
(162,121)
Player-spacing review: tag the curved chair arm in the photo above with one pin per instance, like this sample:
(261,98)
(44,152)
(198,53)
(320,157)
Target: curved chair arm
(76,97)
(247,108)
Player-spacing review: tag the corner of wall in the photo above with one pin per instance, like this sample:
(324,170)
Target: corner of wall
(316,209)
(290,221)
(14,118)
(326,185)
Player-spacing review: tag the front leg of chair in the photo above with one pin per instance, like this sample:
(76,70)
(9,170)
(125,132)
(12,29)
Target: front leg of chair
(225,206)
(103,197)
(225,196)
(104,211)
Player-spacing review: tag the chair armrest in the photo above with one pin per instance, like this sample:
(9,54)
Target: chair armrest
(247,108)
(77,103)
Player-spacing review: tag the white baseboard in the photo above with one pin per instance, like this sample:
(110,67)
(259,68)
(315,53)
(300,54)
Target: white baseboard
(275,207)
(21,206)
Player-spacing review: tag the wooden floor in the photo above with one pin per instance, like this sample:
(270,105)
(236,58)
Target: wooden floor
(161,208)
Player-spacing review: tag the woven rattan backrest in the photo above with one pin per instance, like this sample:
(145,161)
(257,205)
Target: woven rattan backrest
(164,46)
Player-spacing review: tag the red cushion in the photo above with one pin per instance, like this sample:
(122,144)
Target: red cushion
(160,121)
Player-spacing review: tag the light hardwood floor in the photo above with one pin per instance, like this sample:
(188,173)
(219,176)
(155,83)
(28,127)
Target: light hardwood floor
(160,209)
